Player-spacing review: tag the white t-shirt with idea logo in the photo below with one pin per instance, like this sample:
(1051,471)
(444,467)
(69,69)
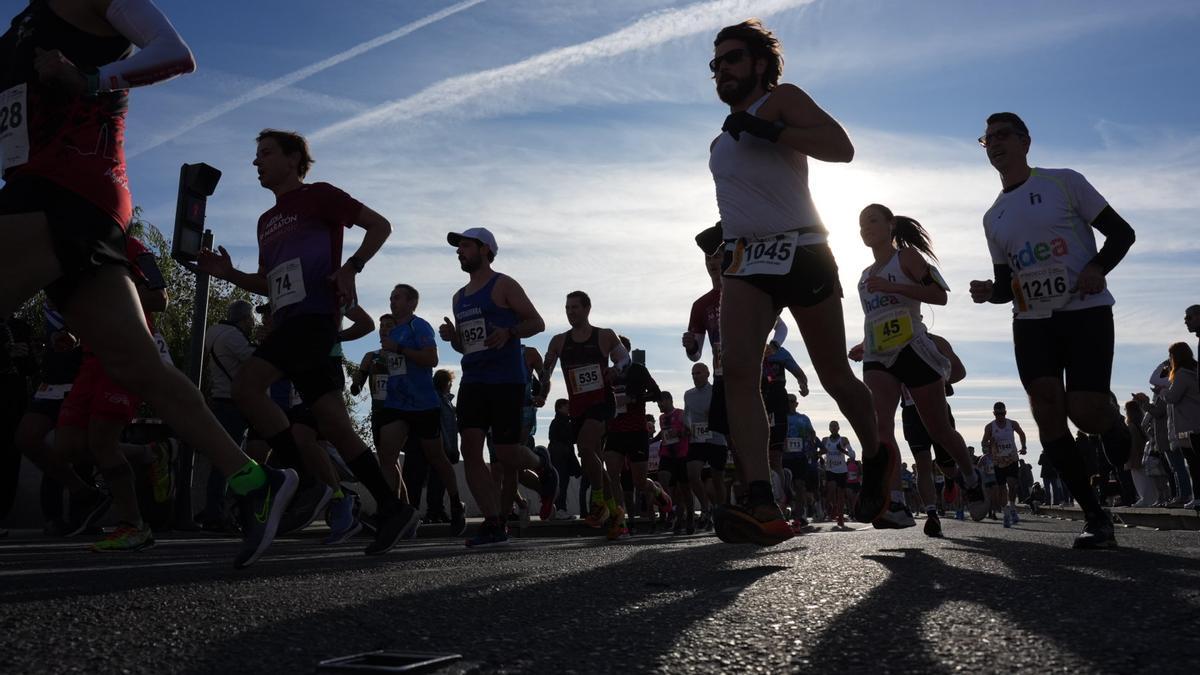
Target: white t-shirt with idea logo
(1042,230)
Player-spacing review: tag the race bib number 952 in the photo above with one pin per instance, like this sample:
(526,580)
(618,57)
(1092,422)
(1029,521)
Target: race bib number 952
(472,334)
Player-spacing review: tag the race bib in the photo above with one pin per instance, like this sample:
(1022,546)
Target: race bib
(379,387)
(718,368)
(670,436)
(163,352)
(397,364)
(1038,292)
(286,284)
(52,392)
(795,444)
(472,334)
(14,127)
(620,399)
(771,255)
(585,378)
(700,433)
(891,331)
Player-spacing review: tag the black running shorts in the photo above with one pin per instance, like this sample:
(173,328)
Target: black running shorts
(1076,343)
(633,444)
(910,369)
(300,348)
(492,407)
(422,424)
(812,279)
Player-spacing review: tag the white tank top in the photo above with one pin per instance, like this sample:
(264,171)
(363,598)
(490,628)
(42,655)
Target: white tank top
(762,187)
(835,461)
(1004,445)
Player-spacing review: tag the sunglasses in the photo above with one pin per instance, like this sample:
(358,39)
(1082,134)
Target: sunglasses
(732,57)
(1001,135)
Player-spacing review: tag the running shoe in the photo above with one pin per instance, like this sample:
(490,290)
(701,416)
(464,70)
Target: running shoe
(563,514)
(598,515)
(86,509)
(876,492)
(546,512)
(126,538)
(490,533)
(625,533)
(958,515)
(411,534)
(548,476)
(161,470)
(705,522)
(458,519)
(840,522)
(897,517)
(342,522)
(799,525)
(261,511)
(1015,518)
(1098,532)
(663,499)
(762,524)
(616,524)
(1007,519)
(933,525)
(977,502)
(305,507)
(397,525)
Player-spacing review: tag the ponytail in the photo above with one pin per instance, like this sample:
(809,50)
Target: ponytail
(907,233)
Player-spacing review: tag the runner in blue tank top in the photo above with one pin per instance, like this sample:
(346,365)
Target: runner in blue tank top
(491,315)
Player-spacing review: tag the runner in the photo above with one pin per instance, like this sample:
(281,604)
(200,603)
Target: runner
(777,363)
(372,373)
(1045,260)
(64,81)
(835,448)
(776,257)
(491,316)
(627,439)
(988,469)
(999,443)
(585,352)
(798,457)
(673,438)
(897,351)
(300,268)
(412,404)
(705,447)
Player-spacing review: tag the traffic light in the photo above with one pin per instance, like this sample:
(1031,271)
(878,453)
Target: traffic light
(196,183)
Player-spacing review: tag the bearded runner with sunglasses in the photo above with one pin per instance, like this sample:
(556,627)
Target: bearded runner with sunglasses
(1039,232)
(776,257)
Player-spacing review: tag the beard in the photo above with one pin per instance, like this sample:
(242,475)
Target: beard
(469,265)
(737,94)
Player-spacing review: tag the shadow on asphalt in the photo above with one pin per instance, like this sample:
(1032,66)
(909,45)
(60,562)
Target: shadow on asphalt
(1119,610)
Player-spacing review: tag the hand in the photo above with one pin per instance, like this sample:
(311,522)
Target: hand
(1090,280)
(689,343)
(738,122)
(343,282)
(57,71)
(355,388)
(1024,452)
(1141,398)
(446,330)
(389,344)
(803,390)
(219,265)
(878,284)
(497,337)
(981,291)
(856,352)
(539,401)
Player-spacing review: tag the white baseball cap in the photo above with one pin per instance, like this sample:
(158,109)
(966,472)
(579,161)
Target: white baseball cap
(479,234)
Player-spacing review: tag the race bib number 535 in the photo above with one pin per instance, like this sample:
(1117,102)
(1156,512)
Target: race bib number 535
(586,378)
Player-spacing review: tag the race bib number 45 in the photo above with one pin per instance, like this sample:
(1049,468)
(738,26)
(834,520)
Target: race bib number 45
(585,378)
(286,284)
(891,331)
(1038,292)
(14,127)
(771,255)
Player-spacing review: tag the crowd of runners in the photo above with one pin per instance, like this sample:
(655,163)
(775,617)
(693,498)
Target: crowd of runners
(738,457)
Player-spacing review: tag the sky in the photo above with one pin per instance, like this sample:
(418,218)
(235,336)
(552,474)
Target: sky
(578,133)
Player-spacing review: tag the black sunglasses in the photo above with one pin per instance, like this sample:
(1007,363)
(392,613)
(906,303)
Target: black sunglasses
(732,57)
(1001,135)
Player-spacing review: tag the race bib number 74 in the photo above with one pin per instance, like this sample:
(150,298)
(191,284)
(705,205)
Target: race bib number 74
(286,284)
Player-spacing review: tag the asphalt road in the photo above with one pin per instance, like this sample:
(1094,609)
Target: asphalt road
(984,599)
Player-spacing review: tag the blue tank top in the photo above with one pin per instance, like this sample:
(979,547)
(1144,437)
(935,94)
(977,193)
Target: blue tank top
(476,316)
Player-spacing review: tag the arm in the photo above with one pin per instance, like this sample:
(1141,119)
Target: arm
(1020,433)
(550,362)
(220,265)
(162,53)
(809,129)
(533,359)
(152,301)
(529,322)
(616,351)
(780,332)
(360,374)
(378,229)
(997,292)
(986,442)
(1178,389)
(794,368)
(362,325)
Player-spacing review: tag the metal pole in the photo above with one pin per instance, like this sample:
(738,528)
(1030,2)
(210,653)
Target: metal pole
(187,456)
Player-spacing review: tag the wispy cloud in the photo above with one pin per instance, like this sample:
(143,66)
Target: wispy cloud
(645,33)
(279,83)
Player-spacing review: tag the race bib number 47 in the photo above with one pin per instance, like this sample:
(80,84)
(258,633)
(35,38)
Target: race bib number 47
(14,127)
(771,255)
(1038,292)
(286,284)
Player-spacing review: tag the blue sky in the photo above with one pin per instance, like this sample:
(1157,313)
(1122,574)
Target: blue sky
(578,132)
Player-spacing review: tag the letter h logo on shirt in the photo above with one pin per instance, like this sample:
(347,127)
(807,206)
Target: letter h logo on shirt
(1034,198)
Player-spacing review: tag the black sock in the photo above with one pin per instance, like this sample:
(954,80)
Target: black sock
(284,450)
(1116,442)
(760,493)
(366,469)
(1071,471)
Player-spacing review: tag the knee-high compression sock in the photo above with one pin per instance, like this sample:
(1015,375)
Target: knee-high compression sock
(366,469)
(1072,472)
(1116,442)
(283,444)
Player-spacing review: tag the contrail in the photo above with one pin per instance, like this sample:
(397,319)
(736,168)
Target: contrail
(268,88)
(647,32)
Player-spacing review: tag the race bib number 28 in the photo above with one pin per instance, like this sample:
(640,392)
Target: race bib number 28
(14,127)
(771,255)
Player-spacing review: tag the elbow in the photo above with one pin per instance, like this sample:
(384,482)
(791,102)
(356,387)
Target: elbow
(847,154)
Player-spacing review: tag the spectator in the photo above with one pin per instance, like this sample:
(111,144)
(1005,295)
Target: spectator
(1183,419)
(1053,488)
(1025,484)
(562,455)
(1139,446)
(1156,424)
(1037,497)
(227,346)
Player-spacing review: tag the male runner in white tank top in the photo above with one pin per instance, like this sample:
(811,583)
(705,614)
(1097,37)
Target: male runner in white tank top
(776,257)
(999,441)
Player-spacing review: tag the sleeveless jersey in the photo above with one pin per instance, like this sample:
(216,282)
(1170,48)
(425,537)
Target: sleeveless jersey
(476,316)
(1004,445)
(583,364)
(77,143)
(835,461)
(762,187)
(706,320)
(892,321)
(628,396)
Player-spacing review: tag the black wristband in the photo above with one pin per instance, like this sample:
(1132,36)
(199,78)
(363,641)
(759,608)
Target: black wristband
(357,262)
